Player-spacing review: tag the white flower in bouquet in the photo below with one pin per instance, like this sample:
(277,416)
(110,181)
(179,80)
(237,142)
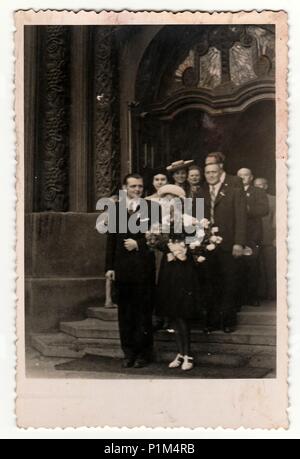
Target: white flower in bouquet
(219,239)
(188,220)
(195,244)
(213,239)
(211,247)
(201,259)
(215,230)
(200,234)
(205,223)
(248,251)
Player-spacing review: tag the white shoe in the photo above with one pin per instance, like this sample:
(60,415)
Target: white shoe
(177,362)
(188,363)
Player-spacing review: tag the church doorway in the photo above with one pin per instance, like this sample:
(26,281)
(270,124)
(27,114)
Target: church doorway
(203,94)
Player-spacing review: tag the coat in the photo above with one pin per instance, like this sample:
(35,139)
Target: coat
(234,181)
(137,266)
(230,215)
(257,207)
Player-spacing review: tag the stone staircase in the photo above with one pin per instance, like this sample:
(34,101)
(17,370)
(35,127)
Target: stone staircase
(253,344)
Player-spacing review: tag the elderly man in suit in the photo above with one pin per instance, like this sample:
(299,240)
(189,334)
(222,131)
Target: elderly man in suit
(225,207)
(131,263)
(257,208)
(268,247)
(227,179)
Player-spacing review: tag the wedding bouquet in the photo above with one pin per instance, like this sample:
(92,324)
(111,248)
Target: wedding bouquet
(204,238)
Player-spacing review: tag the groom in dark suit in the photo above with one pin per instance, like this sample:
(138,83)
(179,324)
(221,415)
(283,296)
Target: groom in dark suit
(131,263)
(225,207)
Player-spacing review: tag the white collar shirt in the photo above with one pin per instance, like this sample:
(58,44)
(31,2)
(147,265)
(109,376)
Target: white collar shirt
(216,188)
(132,204)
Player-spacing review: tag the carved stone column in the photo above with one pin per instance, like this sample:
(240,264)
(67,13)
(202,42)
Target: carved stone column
(31,102)
(54,118)
(106,113)
(80,119)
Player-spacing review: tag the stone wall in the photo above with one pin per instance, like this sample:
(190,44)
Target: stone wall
(64,267)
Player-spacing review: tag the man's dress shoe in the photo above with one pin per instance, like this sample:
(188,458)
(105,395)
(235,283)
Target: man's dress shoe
(128,363)
(228,330)
(141,363)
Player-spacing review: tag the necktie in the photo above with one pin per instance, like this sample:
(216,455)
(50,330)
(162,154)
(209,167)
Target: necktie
(212,203)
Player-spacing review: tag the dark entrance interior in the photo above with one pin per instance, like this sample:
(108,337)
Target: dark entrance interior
(187,106)
(247,138)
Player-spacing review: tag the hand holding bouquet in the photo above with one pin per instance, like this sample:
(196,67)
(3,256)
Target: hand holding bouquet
(205,238)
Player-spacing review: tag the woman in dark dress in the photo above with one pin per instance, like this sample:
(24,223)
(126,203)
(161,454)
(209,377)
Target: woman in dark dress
(178,285)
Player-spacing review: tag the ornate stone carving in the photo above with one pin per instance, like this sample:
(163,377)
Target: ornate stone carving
(211,69)
(226,57)
(54,113)
(106,119)
(241,64)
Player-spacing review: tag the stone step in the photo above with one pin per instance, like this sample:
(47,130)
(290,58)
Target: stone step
(102,313)
(245,334)
(64,346)
(202,359)
(91,328)
(168,346)
(57,345)
(224,359)
(248,316)
(257,317)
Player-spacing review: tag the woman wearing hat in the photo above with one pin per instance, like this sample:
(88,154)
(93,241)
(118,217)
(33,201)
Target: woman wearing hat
(179,173)
(177,283)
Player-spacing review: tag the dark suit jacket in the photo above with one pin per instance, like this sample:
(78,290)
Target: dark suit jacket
(257,207)
(137,266)
(195,192)
(230,215)
(234,181)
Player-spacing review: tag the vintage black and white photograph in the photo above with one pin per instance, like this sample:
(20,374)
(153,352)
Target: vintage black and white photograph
(152,219)
(159,112)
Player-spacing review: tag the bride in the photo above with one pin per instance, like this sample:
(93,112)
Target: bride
(177,289)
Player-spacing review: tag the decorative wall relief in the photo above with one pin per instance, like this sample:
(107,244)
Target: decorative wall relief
(106,113)
(227,56)
(210,69)
(54,115)
(241,64)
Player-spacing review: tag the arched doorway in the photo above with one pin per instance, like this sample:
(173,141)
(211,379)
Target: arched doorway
(206,88)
